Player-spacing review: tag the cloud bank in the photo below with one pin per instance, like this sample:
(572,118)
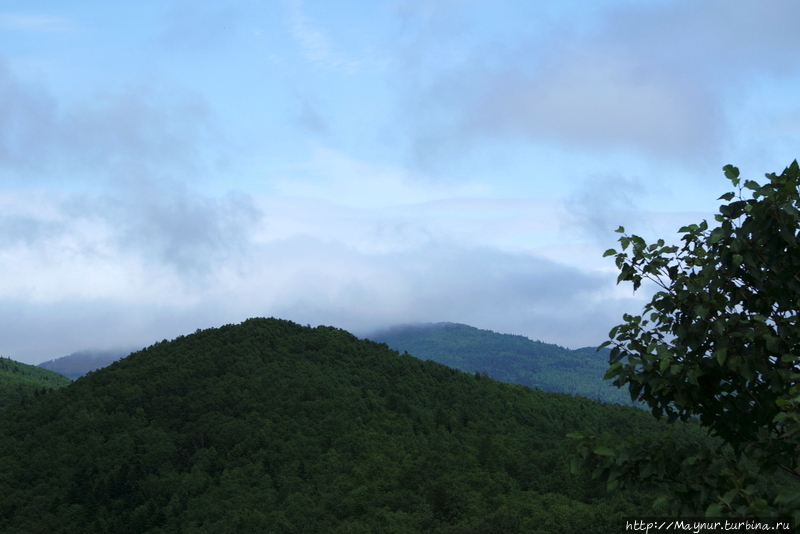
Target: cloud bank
(652,78)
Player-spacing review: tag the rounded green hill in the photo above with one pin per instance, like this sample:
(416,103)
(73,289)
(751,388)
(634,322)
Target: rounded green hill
(269,426)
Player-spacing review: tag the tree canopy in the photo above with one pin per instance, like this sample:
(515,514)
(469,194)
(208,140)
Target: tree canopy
(507,358)
(20,381)
(269,426)
(719,343)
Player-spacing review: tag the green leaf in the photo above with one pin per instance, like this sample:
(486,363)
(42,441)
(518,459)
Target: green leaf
(604,451)
(721,355)
(645,470)
(729,496)
(609,252)
(575,466)
(613,371)
(731,173)
(788,498)
(659,501)
(714,510)
(727,196)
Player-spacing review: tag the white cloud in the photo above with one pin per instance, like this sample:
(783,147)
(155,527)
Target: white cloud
(183,262)
(314,42)
(652,78)
(136,135)
(715,42)
(601,205)
(27,123)
(598,102)
(320,49)
(337,177)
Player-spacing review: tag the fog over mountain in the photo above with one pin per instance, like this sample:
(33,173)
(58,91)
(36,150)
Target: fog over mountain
(79,363)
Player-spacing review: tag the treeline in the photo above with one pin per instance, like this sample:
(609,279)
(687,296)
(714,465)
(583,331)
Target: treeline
(269,426)
(20,381)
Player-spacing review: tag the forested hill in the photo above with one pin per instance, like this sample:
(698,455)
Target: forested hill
(77,364)
(508,358)
(20,381)
(272,427)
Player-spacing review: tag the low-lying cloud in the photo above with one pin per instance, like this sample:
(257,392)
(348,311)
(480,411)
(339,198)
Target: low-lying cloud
(300,278)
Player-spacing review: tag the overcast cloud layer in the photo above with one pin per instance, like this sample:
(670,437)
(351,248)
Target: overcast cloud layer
(168,166)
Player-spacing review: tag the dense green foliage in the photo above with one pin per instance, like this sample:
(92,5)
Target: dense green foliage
(272,427)
(719,343)
(508,358)
(19,381)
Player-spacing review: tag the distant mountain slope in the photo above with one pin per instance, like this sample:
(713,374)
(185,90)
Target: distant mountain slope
(18,380)
(79,363)
(508,358)
(269,426)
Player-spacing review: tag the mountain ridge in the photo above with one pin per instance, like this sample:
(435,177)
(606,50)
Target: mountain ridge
(78,364)
(507,358)
(269,426)
(19,381)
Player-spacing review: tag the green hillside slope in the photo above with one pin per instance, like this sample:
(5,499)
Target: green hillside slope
(19,381)
(272,427)
(508,358)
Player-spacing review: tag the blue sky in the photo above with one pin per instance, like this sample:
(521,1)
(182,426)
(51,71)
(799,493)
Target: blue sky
(173,165)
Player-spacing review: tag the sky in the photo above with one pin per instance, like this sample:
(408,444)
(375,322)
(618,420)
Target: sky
(172,165)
